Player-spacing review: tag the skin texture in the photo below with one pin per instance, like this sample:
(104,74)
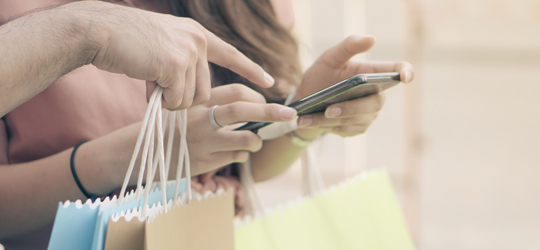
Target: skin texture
(101,163)
(161,49)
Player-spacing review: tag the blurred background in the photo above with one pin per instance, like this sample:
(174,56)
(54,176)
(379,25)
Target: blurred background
(462,141)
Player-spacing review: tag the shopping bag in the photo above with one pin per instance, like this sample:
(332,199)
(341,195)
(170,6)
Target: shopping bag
(83,226)
(204,224)
(181,221)
(360,213)
(111,208)
(74,225)
(188,226)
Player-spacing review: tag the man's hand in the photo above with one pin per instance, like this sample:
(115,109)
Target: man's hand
(352,117)
(168,51)
(40,46)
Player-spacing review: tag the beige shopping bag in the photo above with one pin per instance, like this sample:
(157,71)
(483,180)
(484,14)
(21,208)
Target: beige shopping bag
(185,226)
(125,235)
(178,221)
(203,224)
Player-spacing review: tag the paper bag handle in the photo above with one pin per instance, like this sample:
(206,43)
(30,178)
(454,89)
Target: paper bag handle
(154,118)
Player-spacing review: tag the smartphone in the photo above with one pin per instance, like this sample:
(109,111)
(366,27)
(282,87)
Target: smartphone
(348,89)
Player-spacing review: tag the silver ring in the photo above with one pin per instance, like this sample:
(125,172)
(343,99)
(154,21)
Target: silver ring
(212,116)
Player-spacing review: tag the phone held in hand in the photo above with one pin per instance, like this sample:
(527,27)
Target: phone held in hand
(351,88)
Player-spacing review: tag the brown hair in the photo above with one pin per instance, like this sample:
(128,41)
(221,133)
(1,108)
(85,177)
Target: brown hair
(253,28)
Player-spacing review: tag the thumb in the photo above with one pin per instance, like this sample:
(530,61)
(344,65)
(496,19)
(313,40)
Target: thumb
(341,53)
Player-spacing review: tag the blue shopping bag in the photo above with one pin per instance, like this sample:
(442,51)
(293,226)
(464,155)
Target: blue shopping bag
(74,225)
(84,226)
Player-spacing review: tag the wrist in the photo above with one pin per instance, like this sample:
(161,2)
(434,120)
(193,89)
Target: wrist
(101,164)
(88,171)
(88,31)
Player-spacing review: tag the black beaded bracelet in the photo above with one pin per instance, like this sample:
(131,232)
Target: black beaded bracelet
(75,177)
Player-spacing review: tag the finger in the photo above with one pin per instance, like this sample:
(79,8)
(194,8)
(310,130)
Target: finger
(202,81)
(195,184)
(365,105)
(173,89)
(233,93)
(207,176)
(236,140)
(341,53)
(319,120)
(210,185)
(247,111)
(223,183)
(189,89)
(226,158)
(225,55)
(405,69)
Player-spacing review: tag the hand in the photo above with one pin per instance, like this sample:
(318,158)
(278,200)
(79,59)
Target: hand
(168,51)
(352,117)
(211,148)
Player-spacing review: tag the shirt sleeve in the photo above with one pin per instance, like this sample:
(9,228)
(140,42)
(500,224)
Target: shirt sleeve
(3,142)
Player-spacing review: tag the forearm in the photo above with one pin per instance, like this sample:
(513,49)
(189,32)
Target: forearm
(38,48)
(277,155)
(30,192)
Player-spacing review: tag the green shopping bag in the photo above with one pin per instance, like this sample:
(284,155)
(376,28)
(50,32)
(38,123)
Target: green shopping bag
(361,213)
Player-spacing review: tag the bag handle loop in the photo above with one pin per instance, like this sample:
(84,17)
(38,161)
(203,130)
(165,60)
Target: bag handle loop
(153,124)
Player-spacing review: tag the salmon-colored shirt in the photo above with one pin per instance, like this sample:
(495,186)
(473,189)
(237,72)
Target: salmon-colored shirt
(83,105)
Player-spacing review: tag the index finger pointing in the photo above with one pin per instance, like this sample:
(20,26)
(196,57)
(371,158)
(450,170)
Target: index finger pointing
(225,55)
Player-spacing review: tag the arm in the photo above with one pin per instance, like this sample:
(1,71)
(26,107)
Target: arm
(172,52)
(34,56)
(30,192)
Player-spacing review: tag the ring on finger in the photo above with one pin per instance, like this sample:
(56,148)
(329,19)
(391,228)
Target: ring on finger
(212,116)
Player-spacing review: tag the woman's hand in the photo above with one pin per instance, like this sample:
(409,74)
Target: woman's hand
(211,148)
(352,117)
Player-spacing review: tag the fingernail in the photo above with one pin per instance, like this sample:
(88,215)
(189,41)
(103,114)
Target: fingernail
(370,36)
(287,113)
(305,121)
(333,112)
(269,79)
(408,76)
